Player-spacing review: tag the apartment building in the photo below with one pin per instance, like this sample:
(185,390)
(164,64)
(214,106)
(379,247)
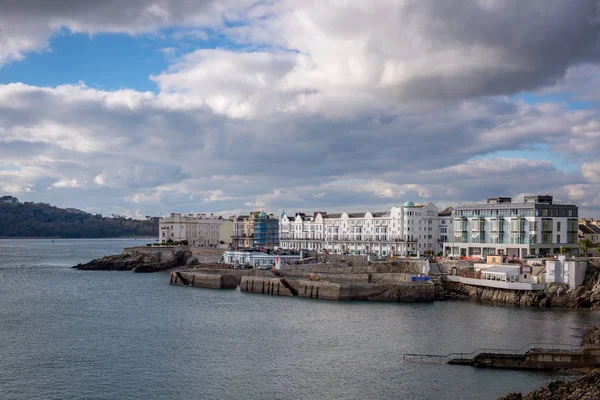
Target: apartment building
(256,230)
(203,230)
(399,231)
(536,226)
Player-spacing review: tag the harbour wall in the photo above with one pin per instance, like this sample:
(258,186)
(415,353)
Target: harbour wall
(399,292)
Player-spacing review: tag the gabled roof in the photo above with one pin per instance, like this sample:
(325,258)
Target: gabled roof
(586,230)
(446,212)
(356,215)
(334,216)
(380,214)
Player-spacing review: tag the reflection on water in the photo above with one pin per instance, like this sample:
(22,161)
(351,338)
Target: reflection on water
(106,335)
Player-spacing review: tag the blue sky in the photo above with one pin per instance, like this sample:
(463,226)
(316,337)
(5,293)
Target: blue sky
(238,105)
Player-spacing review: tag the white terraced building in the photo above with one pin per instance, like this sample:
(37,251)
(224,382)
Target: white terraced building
(537,226)
(400,231)
(202,230)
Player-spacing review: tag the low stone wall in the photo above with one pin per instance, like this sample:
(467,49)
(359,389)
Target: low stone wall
(458,264)
(201,254)
(356,260)
(196,279)
(154,249)
(206,255)
(391,278)
(335,278)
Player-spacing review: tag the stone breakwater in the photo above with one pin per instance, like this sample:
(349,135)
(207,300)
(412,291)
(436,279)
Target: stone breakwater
(331,281)
(554,295)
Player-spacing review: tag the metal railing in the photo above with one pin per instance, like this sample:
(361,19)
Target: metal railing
(440,359)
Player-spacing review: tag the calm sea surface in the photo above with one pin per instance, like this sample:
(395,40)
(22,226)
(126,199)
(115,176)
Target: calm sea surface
(67,334)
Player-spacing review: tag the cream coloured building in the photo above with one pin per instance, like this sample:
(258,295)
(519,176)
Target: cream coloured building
(202,230)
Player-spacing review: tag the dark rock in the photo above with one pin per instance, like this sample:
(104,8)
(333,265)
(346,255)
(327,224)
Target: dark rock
(591,337)
(139,261)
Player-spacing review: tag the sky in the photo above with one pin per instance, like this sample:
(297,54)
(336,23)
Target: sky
(146,107)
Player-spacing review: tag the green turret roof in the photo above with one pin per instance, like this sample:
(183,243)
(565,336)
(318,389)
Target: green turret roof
(409,204)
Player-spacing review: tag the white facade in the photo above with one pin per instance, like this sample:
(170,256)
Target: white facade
(301,232)
(257,259)
(538,225)
(201,230)
(400,231)
(571,272)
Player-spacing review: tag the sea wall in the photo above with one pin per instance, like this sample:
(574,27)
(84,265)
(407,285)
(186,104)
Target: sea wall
(400,292)
(214,281)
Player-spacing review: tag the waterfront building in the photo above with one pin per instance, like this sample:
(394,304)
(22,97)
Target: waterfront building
(571,272)
(536,226)
(409,229)
(257,259)
(202,230)
(302,231)
(256,230)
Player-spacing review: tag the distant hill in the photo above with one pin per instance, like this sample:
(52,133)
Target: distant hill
(30,219)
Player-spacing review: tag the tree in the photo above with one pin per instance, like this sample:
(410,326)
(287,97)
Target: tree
(9,199)
(585,244)
(564,250)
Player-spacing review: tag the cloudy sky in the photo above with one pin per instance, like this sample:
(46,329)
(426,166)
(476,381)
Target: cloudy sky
(143,107)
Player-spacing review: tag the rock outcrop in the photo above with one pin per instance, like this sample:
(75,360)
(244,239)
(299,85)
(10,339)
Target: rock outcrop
(587,387)
(591,337)
(140,262)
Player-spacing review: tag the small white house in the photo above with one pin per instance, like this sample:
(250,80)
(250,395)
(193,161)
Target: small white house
(571,272)
(503,273)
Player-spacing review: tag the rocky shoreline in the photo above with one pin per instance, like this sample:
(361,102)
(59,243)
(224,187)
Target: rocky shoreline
(140,262)
(554,295)
(586,387)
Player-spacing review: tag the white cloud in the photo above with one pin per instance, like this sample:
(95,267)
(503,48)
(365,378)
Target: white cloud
(349,104)
(65,183)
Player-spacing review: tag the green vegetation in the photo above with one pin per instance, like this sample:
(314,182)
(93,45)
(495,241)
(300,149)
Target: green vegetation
(564,250)
(31,219)
(585,245)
